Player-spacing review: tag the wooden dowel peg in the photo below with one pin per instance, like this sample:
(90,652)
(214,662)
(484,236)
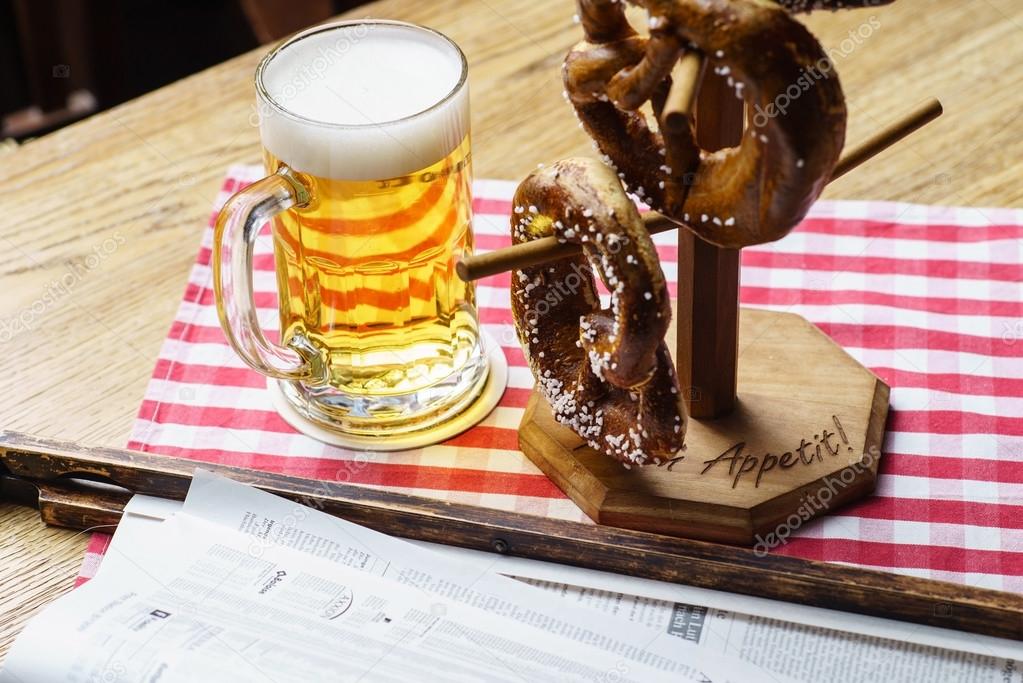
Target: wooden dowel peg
(521,255)
(685,85)
(539,251)
(885,138)
(549,249)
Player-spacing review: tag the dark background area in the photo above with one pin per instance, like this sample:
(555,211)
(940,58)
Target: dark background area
(63,60)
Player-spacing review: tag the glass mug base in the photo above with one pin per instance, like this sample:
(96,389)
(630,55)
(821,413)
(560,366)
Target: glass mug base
(292,405)
(389,416)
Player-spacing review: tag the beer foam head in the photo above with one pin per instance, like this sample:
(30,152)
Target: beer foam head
(363,100)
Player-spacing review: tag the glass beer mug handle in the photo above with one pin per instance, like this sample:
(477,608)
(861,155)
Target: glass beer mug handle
(234,238)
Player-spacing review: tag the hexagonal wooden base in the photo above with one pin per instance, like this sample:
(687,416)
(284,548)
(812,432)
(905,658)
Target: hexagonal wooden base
(793,449)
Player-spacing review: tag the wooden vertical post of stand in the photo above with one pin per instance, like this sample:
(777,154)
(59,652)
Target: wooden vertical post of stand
(707,320)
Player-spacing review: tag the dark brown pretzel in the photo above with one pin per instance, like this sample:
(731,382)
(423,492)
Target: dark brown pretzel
(605,372)
(735,197)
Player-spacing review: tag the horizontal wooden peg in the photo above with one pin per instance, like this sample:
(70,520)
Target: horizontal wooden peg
(538,251)
(885,138)
(548,249)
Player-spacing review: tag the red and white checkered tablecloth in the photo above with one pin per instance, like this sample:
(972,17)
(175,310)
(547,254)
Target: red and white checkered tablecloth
(930,298)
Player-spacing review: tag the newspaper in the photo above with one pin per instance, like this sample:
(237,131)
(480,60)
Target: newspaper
(238,574)
(277,521)
(799,641)
(758,615)
(194,604)
(663,627)
(803,652)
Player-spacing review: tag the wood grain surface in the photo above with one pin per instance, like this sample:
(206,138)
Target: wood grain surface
(101,221)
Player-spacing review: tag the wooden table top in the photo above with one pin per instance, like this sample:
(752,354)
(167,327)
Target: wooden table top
(76,359)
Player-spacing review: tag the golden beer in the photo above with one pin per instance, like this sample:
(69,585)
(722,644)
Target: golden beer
(367,272)
(366,139)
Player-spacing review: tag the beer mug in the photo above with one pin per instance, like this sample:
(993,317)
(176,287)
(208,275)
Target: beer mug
(365,134)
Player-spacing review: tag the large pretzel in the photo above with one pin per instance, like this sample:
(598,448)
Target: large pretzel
(735,197)
(605,372)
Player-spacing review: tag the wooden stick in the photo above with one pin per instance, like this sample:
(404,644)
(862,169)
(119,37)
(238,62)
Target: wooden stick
(882,140)
(685,84)
(549,249)
(634,553)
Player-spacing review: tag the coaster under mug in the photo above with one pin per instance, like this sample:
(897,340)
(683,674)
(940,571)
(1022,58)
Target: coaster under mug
(493,389)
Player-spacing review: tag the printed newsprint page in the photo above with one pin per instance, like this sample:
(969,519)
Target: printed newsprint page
(277,521)
(803,652)
(145,550)
(809,645)
(805,643)
(195,603)
(788,631)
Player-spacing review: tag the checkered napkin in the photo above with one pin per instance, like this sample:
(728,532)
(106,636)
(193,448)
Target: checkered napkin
(930,298)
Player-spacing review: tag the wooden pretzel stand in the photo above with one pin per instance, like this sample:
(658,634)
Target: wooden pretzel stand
(784,425)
